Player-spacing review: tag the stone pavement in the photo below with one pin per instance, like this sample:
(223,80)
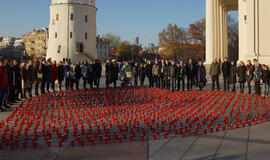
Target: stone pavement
(251,142)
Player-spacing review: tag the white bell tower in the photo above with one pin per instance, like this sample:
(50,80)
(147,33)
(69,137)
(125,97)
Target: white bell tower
(72,30)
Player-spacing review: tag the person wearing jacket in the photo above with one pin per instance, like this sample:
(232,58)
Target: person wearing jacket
(78,74)
(257,76)
(148,72)
(54,75)
(214,73)
(265,79)
(181,76)
(25,80)
(67,74)
(108,67)
(92,73)
(142,74)
(167,75)
(35,77)
(11,82)
(241,74)
(30,69)
(99,70)
(173,75)
(162,78)
(17,86)
(249,75)
(156,74)
(232,78)
(135,72)
(3,86)
(49,76)
(191,72)
(85,73)
(114,72)
(201,76)
(44,76)
(226,73)
(60,74)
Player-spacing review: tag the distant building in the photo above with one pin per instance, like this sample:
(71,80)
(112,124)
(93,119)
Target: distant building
(103,48)
(137,41)
(11,48)
(36,43)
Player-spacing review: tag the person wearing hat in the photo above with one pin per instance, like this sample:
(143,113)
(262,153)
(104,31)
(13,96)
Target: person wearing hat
(3,86)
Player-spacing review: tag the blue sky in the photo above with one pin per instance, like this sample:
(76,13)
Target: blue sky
(126,18)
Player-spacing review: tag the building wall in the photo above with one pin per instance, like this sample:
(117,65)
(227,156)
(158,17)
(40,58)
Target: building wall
(103,48)
(63,26)
(36,43)
(11,48)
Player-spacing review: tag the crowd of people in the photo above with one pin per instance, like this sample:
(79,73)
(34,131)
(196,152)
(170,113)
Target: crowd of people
(19,79)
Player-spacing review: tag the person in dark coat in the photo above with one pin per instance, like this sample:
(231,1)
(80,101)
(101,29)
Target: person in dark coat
(44,76)
(49,76)
(135,72)
(167,75)
(3,86)
(266,79)
(25,79)
(148,72)
(30,69)
(114,72)
(241,74)
(191,71)
(60,74)
(67,75)
(78,74)
(162,78)
(92,73)
(232,78)
(85,73)
(226,73)
(156,74)
(99,70)
(17,86)
(54,75)
(181,76)
(35,76)
(173,75)
(214,73)
(249,75)
(201,76)
(257,76)
(108,67)
(142,74)
(10,73)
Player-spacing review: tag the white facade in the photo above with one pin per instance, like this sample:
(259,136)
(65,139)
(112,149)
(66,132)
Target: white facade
(103,48)
(254,30)
(72,30)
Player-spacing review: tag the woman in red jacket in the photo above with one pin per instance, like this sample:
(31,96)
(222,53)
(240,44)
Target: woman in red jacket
(3,86)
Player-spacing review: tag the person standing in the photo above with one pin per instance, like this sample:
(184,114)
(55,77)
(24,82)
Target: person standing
(232,77)
(135,71)
(3,86)
(226,73)
(44,76)
(99,71)
(201,76)
(265,79)
(92,73)
(60,74)
(25,80)
(78,74)
(249,75)
(148,70)
(181,76)
(30,69)
(162,78)
(67,74)
(167,75)
(54,75)
(191,73)
(85,73)
(241,73)
(36,77)
(17,86)
(214,73)
(142,74)
(257,76)
(114,72)
(156,74)
(108,67)
(49,76)
(173,75)
(10,74)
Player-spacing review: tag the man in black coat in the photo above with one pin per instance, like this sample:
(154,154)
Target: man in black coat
(181,76)
(78,74)
(226,73)
(99,70)
(156,73)
(135,71)
(167,75)
(92,73)
(114,72)
(17,80)
(173,75)
(148,72)
(44,76)
(162,78)
(191,71)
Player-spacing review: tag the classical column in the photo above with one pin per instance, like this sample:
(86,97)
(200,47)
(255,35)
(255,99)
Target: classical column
(210,29)
(226,33)
(221,35)
(216,34)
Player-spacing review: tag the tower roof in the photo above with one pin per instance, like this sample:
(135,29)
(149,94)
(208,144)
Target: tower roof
(87,2)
